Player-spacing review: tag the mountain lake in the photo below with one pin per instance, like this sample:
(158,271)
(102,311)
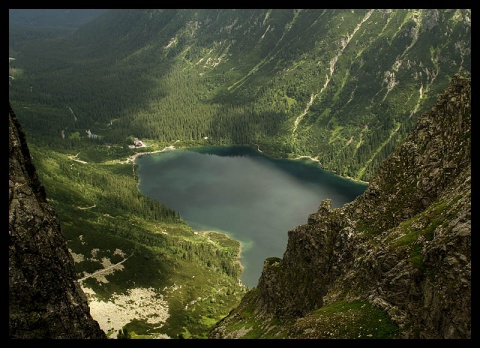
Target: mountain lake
(238,191)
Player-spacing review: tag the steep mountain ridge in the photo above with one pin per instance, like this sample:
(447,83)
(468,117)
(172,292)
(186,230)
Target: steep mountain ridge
(45,299)
(403,247)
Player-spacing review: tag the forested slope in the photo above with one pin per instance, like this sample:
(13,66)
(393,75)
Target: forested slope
(344,86)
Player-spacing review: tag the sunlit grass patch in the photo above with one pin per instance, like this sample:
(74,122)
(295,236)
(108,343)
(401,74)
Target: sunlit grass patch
(342,319)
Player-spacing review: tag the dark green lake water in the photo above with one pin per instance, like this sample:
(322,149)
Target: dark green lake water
(238,191)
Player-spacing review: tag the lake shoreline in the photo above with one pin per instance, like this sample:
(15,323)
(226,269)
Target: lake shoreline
(133,157)
(239,253)
(315,159)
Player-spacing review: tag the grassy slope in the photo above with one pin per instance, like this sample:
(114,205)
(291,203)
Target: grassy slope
(161,254)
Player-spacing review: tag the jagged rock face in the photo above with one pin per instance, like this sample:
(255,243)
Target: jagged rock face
(429,160)
(45,300)
(404,245)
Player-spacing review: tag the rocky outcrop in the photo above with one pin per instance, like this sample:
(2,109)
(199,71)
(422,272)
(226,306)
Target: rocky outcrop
(403,247)
(45,300)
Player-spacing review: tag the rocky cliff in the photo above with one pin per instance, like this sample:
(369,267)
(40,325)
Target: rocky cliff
(394,263)
(45,300)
